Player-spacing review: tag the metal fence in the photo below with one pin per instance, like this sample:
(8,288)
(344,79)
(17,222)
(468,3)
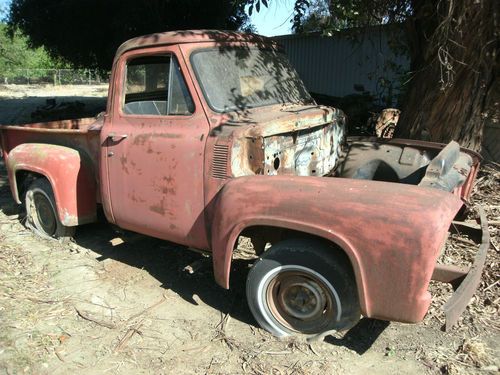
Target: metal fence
(28,76)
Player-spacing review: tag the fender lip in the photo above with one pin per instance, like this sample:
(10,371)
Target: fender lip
(70,174)
(465,281)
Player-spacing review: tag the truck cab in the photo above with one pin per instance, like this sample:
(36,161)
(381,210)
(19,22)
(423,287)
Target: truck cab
(190,110)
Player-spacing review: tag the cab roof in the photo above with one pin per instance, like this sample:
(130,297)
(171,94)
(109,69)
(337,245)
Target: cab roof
(192,36)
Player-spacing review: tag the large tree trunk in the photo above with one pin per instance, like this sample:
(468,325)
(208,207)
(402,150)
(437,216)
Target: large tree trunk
(454,58)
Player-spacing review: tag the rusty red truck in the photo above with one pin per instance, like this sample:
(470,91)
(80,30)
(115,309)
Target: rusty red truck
(209,136)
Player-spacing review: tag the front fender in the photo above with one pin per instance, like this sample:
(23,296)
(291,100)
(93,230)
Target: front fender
(392,233)
(69,172)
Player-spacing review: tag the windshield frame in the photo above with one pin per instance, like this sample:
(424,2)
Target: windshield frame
(235,108)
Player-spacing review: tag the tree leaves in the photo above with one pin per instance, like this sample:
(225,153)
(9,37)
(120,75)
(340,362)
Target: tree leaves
(257,3)
(15,54)
(334,15)
(299,9)
(87,32)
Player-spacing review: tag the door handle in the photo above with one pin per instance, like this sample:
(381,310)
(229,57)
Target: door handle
(117,137)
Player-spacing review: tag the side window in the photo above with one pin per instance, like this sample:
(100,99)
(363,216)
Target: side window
(154,85)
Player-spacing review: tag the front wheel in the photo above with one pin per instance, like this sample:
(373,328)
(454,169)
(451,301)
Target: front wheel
(41,213)
(303,286)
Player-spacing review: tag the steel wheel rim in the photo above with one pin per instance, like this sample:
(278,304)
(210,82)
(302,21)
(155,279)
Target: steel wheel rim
(300,301)
(44,215)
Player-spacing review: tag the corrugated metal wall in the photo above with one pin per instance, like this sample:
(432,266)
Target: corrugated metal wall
(333,65)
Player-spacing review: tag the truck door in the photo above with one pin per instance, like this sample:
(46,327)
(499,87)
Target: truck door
(154,149)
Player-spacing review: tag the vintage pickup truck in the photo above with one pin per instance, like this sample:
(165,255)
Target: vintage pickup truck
(209,136)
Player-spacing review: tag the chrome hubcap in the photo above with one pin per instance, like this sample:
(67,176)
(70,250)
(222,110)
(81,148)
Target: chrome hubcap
(300,301)
(44,214)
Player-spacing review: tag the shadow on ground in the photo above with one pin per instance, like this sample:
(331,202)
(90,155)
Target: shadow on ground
(166,262)
(362,336)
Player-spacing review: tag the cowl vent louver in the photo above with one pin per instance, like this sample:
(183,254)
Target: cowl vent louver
(219,162)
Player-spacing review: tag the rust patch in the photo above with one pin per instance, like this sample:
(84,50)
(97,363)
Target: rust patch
(167,190)
(141,139)
(134,198)
(168,135)
(159,208)
(123,161)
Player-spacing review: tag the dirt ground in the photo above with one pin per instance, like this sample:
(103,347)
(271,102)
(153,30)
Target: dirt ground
(19,103)
(107,304)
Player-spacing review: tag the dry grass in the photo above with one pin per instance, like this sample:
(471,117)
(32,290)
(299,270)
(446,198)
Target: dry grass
(471,354)
(26,304)
(139,339)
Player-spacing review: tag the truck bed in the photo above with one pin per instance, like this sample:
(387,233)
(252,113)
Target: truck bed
(81,134)
(81,124)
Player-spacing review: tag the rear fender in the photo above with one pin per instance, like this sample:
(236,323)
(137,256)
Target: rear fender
(392,233)
(69,172)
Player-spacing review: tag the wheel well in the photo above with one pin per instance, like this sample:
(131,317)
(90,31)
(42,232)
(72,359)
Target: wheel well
(261,236)
(23,181)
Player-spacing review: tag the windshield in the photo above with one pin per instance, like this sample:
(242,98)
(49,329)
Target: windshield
(240,78)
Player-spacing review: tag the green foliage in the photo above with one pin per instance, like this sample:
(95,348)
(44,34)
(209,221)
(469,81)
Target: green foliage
(316,18)
(87,32)
(16,54)
(333,15)
(256,4)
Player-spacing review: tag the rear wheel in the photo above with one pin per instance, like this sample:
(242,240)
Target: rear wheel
(303,286)
(41,212)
